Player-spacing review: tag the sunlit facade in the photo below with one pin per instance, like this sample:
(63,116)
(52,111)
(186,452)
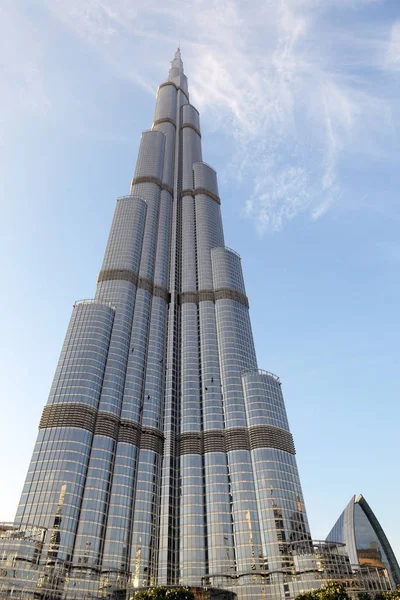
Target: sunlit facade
(164,454)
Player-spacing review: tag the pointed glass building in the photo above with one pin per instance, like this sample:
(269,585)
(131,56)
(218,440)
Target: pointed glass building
(365,539)
(164,454)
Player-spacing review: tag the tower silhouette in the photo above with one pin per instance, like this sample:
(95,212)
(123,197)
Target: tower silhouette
(164,454)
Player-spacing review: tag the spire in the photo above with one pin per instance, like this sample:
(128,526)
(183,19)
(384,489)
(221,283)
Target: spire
(176,65)
(176,73)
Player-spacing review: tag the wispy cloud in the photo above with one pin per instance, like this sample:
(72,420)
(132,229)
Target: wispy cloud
(297,93)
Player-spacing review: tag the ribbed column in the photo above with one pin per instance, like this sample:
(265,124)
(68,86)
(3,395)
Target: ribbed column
(149,164)
(191,145)
(149,333)
(168,554)
(236,351)
(117,283)
(123,448)
(165,120)
(192,532)
(209,234)
(280,503)
(53,490)
(235,338)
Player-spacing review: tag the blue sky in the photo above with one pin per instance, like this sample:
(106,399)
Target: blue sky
(299,104)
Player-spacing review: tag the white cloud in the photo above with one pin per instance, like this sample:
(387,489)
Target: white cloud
(289,87)
(279,195)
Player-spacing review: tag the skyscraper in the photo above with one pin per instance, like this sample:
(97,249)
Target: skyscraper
(164,454)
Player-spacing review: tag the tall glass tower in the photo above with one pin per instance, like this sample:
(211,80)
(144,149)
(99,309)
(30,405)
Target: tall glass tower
(163,452)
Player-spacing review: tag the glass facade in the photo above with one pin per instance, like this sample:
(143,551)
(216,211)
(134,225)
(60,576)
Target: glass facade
(164,454)
(366,542)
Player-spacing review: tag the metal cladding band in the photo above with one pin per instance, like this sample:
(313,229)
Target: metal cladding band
(175,86)
(156,290)
(107,424)
(268,436)
(204,295)
(161,292)
(190,297)
(150,179)
(74,414)
(141,282)
(191,443)
(206,192)
(213,441)
(68,414)
(213,296)
(146,284)
(230,294)
(117,274)
(129,433)
(237,438)
(164,120)
(203,191)
(196,129)
(152,439)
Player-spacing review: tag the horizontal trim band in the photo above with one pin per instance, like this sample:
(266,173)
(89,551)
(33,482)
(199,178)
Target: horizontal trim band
(268,436)
(191,126)
(157,290)
(164,120)
(68,414)
(118,275)
(107,424)
(237,438)
(129,433)
(198,191)
(74,414)
(162,292)
(231,294)
(151,179)
(206,192)
(179,89)
(141,282)
(213,296)
(152,440)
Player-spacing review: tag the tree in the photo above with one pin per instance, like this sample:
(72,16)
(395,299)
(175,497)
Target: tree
(393,595)
(306,596)
(336,591)
(364,596)
(330,591)
(164,593)
(382,596)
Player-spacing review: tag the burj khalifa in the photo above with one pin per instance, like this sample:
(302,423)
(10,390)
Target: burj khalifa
(164,453)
